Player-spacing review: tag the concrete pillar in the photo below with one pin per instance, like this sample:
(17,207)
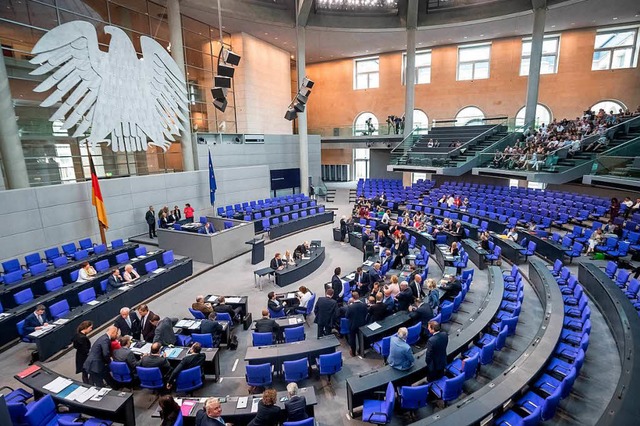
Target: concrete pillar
(302,116)
(177,53)
(410,73)
(15,168)
(533,82)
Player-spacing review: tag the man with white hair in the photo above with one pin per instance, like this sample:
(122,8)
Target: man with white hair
(405,297)
(211,414)
(296,406)
(400,354)
(128,323)
(130,274)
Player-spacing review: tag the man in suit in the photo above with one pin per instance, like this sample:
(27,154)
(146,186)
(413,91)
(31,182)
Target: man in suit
(128,323)
(388,300)
(194,358)
(97,363)
(156,359)
(267,325)
(325,313)
(416,286)
(357,316)
(200,305)
(375,275)
(211,414)
(222,307)
(115,280)
(147,329)
(422,313)
(361,281)
(451,287)
(458,232)
(377,310)
(400,354)
(403,251)
(336,285)
(150,217)
(276,263)
(435,355)
(164,332)
(124,354)
(296,406)
(405,297)
(212,327)
(275,305)
(35,320)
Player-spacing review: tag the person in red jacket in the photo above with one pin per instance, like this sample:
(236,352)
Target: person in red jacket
(188,212)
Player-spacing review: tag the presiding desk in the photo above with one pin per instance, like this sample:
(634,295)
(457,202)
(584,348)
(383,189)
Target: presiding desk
(303,268)
(114,405)
(377,330)
(296,225)
(364,385)
(277,354)
(107,306)
(175,354)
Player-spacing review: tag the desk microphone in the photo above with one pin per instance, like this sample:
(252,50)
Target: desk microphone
(367,373)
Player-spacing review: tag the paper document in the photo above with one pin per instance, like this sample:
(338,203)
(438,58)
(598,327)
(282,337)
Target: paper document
(172,352)
(145,349)
(57,384)
(291,295)
(93,302)
(88,393)
(374,326)
(184,323)
(98,396)
(60,321)
(159,270)
(293,321)
(254,405)
(212,298)
(350,276)
(5,314)
(77,393)
(242,402)
(124,288)
(368,263)
(195,325)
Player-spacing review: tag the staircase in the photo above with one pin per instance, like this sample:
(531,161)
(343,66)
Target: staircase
(330,196)
(473,151)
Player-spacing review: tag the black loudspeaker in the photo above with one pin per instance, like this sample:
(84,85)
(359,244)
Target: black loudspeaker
(219,93)
(307,83)
(230,58)
(225,71)
(291,114)
(298,106)
(220,104)
(220,81)
(301,98)
(304,91)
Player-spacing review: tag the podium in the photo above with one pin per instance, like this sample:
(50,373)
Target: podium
(257,250)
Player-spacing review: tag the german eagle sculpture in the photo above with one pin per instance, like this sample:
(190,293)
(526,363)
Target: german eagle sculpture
(112,96)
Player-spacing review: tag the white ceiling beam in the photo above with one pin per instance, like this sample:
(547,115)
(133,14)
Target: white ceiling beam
(537,4)
(304,10)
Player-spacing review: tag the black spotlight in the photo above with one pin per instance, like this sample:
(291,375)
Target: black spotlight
(291,114)
(225,70)
(222,81)
(230,57)
(220,104)
(306,82)
(300,101)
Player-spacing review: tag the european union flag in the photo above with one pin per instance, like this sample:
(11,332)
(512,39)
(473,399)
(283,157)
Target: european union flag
(212,182)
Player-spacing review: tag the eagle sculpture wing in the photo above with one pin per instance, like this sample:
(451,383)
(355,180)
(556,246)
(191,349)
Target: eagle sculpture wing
(72,48)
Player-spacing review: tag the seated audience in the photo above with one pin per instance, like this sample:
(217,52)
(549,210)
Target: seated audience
(277,264)
(266,324)
(222,307)
(211,414)
(124,354)
(451,286)
(304,295)
(405,297)
(130,274)
(156,358)
(35,320)
(86,273)
(213,327)
(115,280)
(400,354)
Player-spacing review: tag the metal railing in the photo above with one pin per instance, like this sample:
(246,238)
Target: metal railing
(619,166)
(351,131)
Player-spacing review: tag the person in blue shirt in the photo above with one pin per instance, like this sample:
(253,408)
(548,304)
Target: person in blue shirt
(400,354)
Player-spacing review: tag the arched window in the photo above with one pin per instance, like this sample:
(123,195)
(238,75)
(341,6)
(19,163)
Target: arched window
(420,121)
(469,116)
(543,115)
(365,124)
(608,106)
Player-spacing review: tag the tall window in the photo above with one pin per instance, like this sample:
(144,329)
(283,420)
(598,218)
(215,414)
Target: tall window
(367,73)
(473,62)
(609,106)
(469,116)
(423,67)
(549,63)
(615,49)
(361,163)
(543,115)
(365,124)
(420,121)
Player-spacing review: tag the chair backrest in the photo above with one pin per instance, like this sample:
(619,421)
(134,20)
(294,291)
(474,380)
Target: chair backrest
(81,254)
(189,379)
(41,412)
(11,266)
(262,339)
(568,382)
(122,258)
(470,365)
(276,314)
(453,387)
(101,265)
(623,277)
(259,375)
(446,311)
(197,314)
(413,333)
(117,243)
(167,257)
(294,334)
(51,254)
(486,353)
(550,404)
(330,363)
(86,243)
(223,316)
(502,338)
(69,249)
(389,401)
(53,284)
(150,378)
(310,304)
(23,296)
(103,285)
(206,340)
(140,251)
(296,370)
(413,397)
(120,372)
(38,268)
(100,248)
(151,266)
(86,295)
(32,259)
(310,421)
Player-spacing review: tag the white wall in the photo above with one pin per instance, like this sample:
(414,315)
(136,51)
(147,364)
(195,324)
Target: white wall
(36,219)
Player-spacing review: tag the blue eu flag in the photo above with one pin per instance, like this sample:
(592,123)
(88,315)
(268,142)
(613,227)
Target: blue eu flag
(212,182)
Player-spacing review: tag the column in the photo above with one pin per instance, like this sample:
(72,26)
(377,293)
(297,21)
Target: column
(410,73)
(302,116)
(533,82)
(177,53)
(15,168)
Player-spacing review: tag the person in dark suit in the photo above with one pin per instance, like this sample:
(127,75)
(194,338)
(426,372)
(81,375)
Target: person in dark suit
(147,328)
(36,320)
(416,286)
(422,313)
(435,355)
(211,414)
(194,358)
(266,324)
(451,287)
(375,274)
(276,263)
(222,307)
(212,327)
(268,412)
(325,313)
(124,354)
(296,406)
(403,251)
(169,410)
(156,359)
(82,345)
(97,363)
(164,332)
(336,285)
(458,232)
(405,297)
(115,280)
(150,217)
(377,310)
(357,316)
(200,305)
(177,215)
(343,228)
(361,281)
(275,305)
(128,323)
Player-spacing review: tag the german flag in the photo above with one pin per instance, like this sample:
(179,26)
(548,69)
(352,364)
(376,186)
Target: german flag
(96,195)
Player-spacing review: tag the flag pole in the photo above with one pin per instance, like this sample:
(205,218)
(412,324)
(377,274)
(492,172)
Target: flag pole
(97,200)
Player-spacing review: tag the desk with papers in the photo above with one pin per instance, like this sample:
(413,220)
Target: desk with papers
(177,353)
(377,330)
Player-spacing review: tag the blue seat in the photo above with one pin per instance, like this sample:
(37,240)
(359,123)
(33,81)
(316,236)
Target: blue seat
(43,413)
(23,296)
(531,401)
(177,227)
(197,314)
(37,269)
(446,310)
(511,418)
(497,251)
(189,380)
(529,251)
(310,421)
(179,420)
(413,397)
(329,364)
(223,316)
(86,244)
(120,372)
(486,352)
(122,258)
(259,375)
(80,255)
(117,244)
(150,378)
(103,285)
(297,370)
(11,266)
(383,347)
(266,225)
(32,259)
(307,311)
(13,277)
(413,333)
(87,295)
(52,253)
(53,284)
(59,309)
(262,339)
(294,334)
(611,269)
(205,340)
(69,249)
(276,314)
(167,257)
(100,249)
(151,266)
(379,411)
(469,367)
(448,389)
(228,224)
(183,340)
(101,265)
(344,327)
(140,251)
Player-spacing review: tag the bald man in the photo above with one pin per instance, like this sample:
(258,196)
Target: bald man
(128,323)
(97,363)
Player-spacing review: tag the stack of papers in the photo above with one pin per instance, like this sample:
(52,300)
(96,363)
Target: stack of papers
(291,295)
(145,349)
(184,323)
(233,300)
(293,321)
(5,314)
(88,393)
(212,298)
(98,396)
(124,288)
(242,402)
(93,302)
(159,270)
(60,321)
(42,331)
(254,405)
(374,326)
(58,384)
(368,263)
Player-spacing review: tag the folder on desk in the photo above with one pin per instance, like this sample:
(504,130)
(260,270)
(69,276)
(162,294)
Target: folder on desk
(172,353)
(242,402)
(66,392)
(184,323)
(187,407)
(28,371)
(212,298)
(233,300)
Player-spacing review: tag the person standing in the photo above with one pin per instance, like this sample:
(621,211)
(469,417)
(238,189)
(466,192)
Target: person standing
(336,285)
(403,251)
(150,217)
(400,354)
(177,215)
(82,345)
(343,228)
(188,212)
(357,316)
(325,313)
(97,363)
(435,355)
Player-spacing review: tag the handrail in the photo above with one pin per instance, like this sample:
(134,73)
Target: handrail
(404,140)
(456,151)
(455,120)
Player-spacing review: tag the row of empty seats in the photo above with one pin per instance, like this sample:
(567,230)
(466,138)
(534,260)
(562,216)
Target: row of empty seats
(249,206)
